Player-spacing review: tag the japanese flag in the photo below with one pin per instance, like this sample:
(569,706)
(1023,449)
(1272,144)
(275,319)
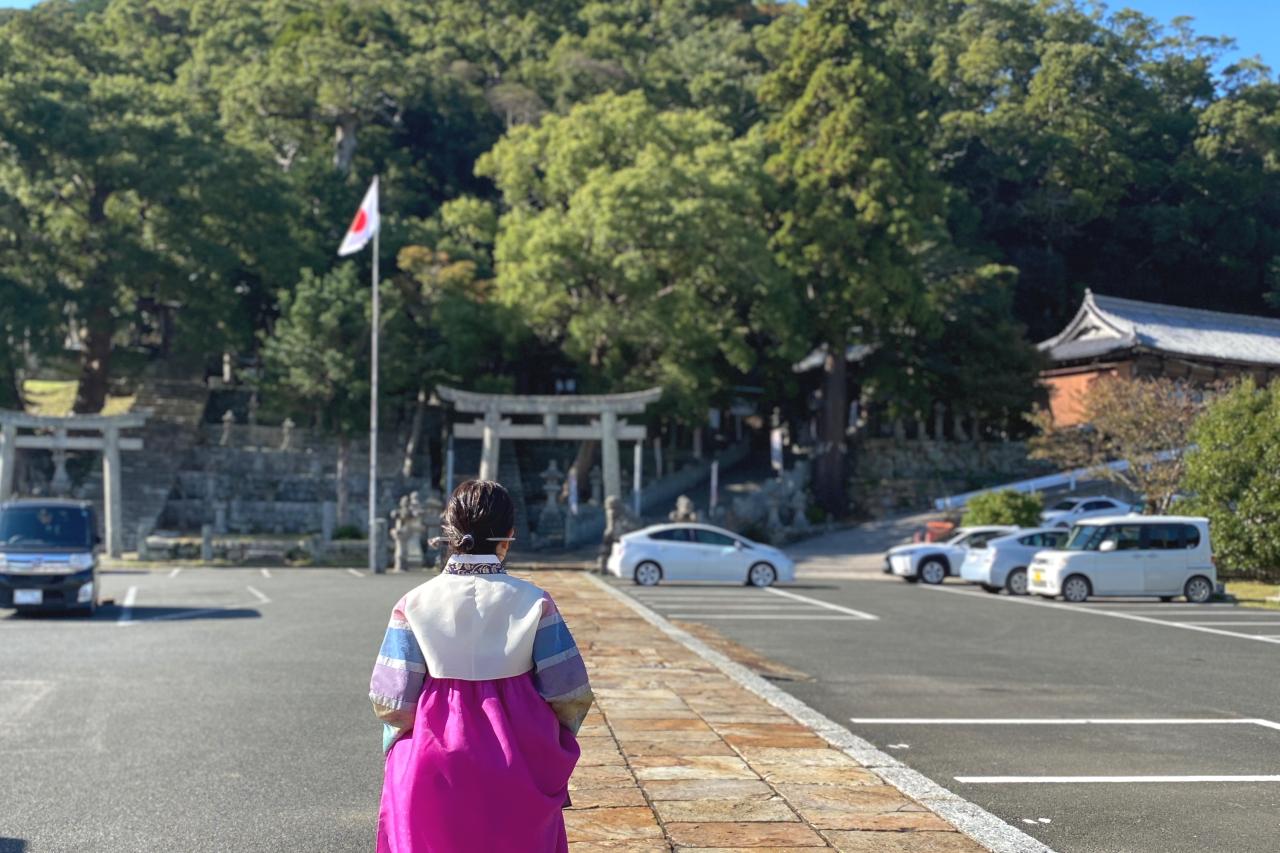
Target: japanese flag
(364,225)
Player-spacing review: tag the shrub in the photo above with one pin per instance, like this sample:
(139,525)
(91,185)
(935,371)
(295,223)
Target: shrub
(1007,507)
(347,531)
(1233,478)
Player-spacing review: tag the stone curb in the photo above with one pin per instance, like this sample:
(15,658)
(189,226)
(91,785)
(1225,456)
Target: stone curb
(972,820)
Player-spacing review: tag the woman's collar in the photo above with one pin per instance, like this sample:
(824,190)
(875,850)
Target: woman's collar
(474,564)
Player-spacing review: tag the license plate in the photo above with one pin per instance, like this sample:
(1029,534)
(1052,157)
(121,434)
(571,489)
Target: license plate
(1037,576)
(27,596)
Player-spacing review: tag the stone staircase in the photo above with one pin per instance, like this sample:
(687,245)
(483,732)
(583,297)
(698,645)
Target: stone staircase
(467,467)
(148,475)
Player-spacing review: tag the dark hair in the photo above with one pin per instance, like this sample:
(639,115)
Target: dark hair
(478,512)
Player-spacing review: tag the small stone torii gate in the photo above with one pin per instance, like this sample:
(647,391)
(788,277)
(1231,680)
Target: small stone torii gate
(51,434)
(604,427)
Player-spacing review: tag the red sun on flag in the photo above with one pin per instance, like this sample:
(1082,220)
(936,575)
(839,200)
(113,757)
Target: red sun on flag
(364,225)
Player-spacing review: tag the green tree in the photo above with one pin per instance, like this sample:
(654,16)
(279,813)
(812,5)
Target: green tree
(637,240)
(1007,507)
(317,357)
(863,208)
(123,193)
(1233,477)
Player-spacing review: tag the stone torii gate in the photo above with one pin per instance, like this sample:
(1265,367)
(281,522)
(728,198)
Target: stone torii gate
(604,426)
(51,434)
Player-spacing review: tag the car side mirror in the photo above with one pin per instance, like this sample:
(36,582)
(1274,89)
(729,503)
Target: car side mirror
(738,545)
(1108,545)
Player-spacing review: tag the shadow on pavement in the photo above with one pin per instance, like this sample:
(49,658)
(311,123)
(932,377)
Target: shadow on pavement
(112,613)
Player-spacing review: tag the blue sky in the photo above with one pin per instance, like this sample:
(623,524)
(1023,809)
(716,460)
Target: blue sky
(1255,24)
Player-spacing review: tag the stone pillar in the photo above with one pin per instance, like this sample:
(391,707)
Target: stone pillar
(609,454)
(144,530)
(60,485)
(379,533)
(206,543)
(491,445)
(114,521)
(328,521)
(8,458)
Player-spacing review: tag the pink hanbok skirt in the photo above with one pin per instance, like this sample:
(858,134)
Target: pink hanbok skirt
(485,768)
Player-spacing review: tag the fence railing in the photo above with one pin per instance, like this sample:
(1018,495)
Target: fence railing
(1048,483)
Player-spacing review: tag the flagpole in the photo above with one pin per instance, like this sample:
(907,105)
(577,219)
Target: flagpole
(373,419)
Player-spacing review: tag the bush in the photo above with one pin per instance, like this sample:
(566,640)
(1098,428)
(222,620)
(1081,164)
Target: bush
(1007,507)
(1233,478)
(347,531)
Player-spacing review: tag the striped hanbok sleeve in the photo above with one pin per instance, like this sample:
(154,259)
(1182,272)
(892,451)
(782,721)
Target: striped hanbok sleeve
(397,678)
(558,671)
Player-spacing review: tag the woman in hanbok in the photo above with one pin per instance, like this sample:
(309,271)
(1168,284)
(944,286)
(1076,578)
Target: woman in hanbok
(481,691)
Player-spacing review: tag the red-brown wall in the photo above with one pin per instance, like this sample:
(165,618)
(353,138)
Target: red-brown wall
(1068,389)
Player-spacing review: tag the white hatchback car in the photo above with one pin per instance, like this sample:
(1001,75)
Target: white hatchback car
(1068,511)
(931,562)
(1130,555)
(1003,563)
(697,552)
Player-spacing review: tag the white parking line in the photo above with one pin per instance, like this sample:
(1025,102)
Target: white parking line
(871,617)
(1062,721)
(126,606)
(262,599)
(1255,624)
(792,617)
(355,572)
(266,573)
(174,573)
(1077,780)
(1095,611)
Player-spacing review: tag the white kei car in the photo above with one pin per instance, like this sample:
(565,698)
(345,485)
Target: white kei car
(1131,555)
(1003,563)
(697,552)
(931,562)
(1068,511)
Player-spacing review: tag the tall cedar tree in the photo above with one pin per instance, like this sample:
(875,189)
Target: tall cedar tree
(863,205)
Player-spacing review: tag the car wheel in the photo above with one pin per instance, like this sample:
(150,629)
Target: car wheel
(1076,589)
(762,574)
(1016,583)
(648,574)
(932,571)
(991,588)
(1198,590)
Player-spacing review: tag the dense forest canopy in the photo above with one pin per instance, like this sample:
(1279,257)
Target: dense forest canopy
(692,192)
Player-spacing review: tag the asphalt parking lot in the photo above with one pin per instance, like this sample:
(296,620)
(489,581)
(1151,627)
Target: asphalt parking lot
(206,710)
(1117,725)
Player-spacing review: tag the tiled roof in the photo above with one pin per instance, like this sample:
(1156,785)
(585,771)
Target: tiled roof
(1106,325)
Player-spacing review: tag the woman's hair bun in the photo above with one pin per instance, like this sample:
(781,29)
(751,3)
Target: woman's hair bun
(467,543)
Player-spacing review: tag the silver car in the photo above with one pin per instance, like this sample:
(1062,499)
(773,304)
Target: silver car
(1003,563)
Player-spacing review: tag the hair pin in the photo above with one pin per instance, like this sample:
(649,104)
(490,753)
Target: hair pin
(501,539)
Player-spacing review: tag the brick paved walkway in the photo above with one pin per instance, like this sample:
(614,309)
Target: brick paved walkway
(678,756)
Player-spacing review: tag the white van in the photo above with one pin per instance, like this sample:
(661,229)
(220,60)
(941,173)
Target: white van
(1131,555)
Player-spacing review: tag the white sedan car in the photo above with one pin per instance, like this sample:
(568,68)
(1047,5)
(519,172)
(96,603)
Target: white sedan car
(1068,511)
(931,562)
(697,552)
(1003,563)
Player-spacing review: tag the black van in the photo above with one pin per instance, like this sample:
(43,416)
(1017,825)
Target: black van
(48,555)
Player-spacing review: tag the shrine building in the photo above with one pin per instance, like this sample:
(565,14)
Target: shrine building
(1122,337)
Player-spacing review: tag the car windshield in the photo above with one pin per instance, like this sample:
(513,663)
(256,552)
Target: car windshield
(33,527)
(1085,537)
(1064,505)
